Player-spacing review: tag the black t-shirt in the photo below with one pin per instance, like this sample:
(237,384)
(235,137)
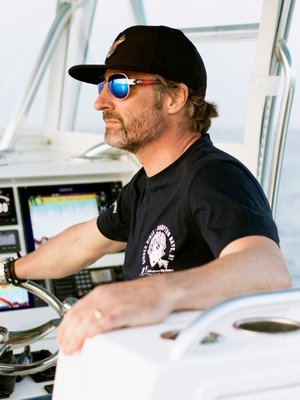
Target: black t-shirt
(185,215)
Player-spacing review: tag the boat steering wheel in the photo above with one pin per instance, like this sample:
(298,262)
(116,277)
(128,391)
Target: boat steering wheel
(12,340)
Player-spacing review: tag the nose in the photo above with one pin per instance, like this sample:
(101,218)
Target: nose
(104,101)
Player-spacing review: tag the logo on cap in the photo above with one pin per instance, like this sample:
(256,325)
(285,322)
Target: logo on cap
(115,45)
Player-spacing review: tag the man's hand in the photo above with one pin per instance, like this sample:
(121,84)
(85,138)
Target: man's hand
(107,307)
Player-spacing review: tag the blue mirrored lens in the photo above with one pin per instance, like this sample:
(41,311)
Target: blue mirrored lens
(118,87)
(100,87)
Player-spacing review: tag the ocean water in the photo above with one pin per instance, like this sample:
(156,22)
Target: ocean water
(288,206)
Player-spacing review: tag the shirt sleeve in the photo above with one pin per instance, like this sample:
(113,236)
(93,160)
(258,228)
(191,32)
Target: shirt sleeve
(228,203)
(114,223)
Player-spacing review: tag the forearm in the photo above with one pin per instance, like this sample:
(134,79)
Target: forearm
(234,274)
(66,253)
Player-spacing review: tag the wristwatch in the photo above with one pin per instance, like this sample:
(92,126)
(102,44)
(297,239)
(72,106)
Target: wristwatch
(7,275)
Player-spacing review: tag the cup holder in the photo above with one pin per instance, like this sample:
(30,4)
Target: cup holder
(267,325)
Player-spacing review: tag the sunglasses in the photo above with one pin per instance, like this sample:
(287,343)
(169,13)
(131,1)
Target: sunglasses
(119,85)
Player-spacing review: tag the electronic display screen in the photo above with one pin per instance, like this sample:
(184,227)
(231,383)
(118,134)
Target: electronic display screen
(7,207)
(50,215)
(48,210)
(14,298)
(9,241)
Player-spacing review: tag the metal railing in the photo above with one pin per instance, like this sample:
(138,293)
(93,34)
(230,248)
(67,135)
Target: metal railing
(18,117)
(283,56)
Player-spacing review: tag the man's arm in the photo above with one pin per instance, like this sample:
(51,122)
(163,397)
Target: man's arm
(250,264)
(66,253)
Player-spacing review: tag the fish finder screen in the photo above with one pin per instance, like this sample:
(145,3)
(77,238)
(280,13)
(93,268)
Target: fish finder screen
(48,210)
(50,215)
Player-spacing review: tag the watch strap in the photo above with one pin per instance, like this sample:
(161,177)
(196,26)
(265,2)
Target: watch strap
(7,272)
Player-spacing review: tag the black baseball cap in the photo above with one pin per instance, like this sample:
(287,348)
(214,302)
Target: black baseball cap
(157,50)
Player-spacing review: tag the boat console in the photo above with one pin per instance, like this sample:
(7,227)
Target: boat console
(37,201)
(243,349)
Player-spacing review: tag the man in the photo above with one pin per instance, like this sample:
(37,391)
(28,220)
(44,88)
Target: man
(194,223)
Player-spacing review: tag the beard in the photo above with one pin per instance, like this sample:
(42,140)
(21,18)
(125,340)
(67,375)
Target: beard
(136,132)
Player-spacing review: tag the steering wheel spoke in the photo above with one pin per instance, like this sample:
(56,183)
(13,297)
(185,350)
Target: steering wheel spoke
(13,340)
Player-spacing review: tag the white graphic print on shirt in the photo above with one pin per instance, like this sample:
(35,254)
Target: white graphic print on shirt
(158,251)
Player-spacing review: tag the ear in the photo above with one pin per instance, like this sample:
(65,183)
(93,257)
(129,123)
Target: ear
(178,99)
